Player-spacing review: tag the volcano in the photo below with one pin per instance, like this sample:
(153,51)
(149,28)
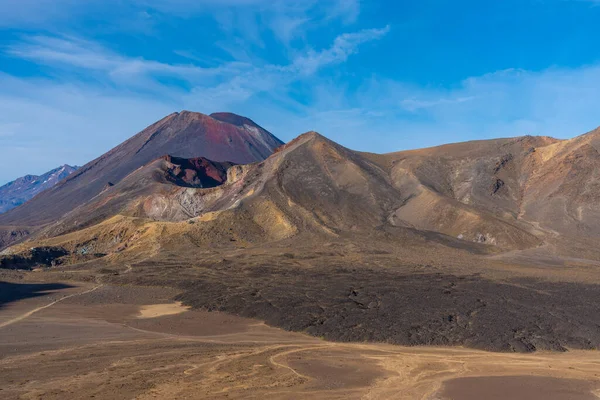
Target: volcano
(221,137)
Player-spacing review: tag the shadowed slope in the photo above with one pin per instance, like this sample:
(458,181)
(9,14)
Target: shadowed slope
(12,292)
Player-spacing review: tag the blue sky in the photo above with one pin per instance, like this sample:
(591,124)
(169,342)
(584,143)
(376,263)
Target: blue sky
(78,77)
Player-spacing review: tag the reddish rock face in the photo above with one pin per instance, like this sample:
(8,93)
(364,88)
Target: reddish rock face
(221,137)
(195,172)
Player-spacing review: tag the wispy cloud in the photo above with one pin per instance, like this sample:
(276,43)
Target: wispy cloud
(343,46)
(70,52)
(286,19)
(227,83)
(559,102)
(270,78)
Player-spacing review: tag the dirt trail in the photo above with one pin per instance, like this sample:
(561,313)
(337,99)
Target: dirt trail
(30,313)
(35,310)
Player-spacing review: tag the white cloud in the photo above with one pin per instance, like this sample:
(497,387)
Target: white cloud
(559,102)
(286,27)
(225,84)
(69,52)
(349,10)
(343,46)
(286,19)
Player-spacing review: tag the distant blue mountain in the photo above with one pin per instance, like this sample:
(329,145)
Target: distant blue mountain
(17,192)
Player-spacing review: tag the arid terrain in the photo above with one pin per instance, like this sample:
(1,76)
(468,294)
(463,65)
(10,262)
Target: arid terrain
(64,340)
(201,259)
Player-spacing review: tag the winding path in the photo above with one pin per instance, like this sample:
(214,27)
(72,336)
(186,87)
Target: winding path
(30,313)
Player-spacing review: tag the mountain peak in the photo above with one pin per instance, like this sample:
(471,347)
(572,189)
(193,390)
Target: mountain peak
(300,139)
(312,135)
(23,189)
(226,117)
(233,119)
(66,167)
(221,137)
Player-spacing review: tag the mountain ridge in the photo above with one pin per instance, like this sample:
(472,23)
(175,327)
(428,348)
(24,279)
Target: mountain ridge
(505,194)
(22,189)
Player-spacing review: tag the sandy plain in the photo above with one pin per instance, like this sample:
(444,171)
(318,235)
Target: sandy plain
(73,341)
